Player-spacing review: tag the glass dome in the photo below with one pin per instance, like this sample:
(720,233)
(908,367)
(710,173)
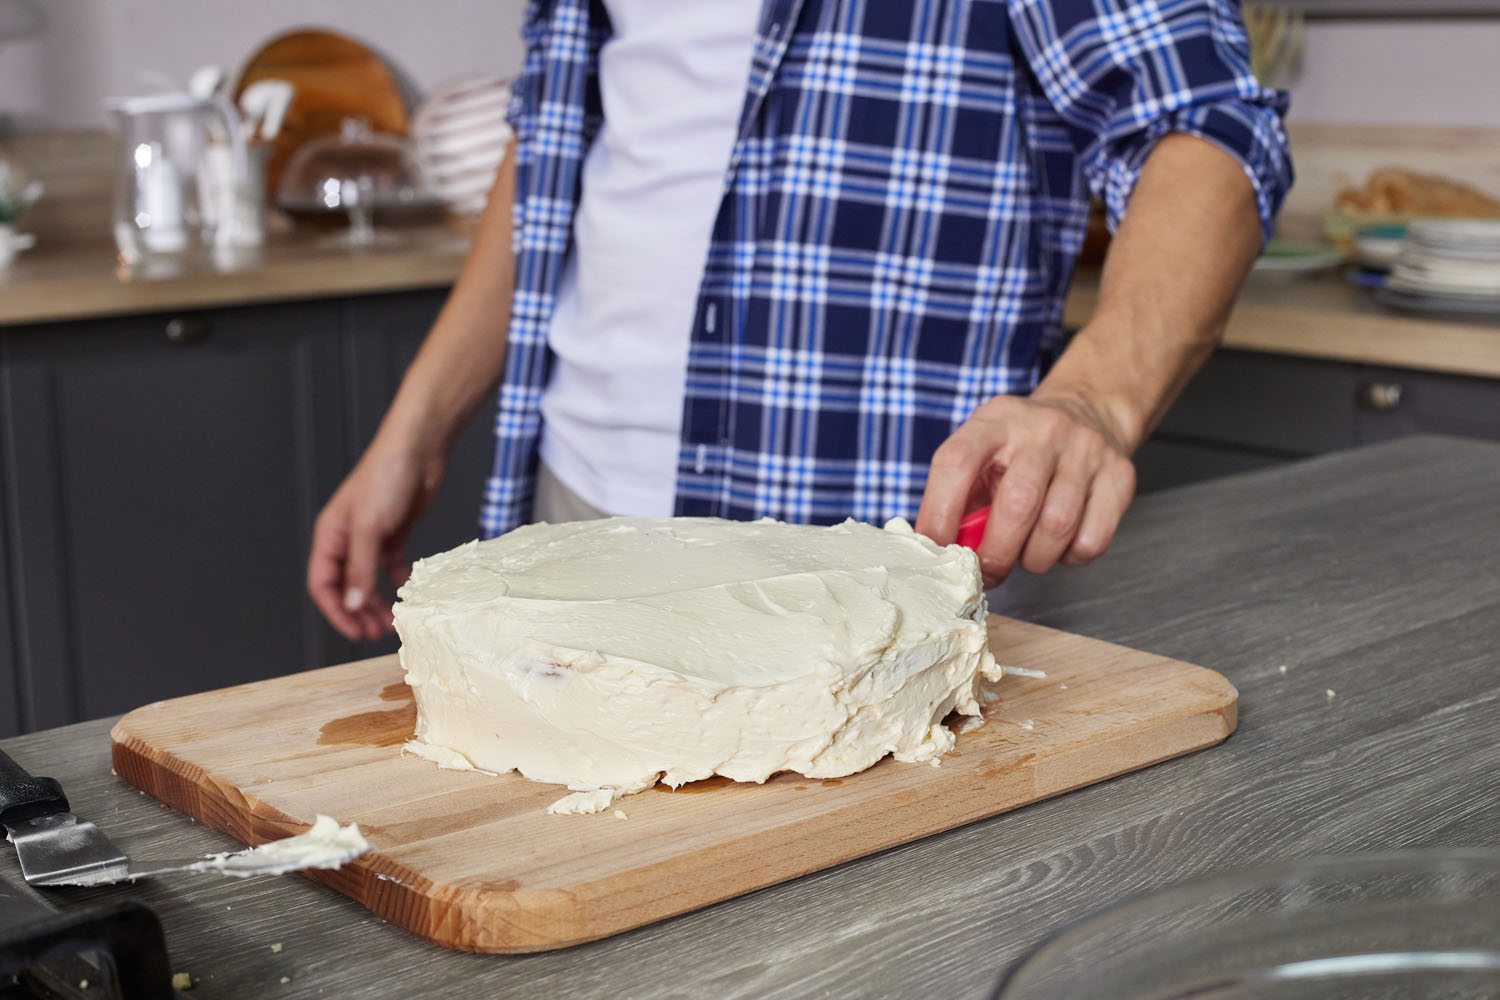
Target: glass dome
(357,171)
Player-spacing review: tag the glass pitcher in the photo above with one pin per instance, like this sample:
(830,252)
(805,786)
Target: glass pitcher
(181,163)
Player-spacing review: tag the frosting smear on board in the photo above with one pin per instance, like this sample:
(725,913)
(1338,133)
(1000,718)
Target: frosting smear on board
(609,655)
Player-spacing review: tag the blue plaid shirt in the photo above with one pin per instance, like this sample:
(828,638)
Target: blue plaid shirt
(905,198)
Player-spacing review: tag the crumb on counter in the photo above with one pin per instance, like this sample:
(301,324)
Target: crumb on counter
(182,981)
(276,948)
(1282,668)
(620,814)
(114,772)
(285,980)
(1330,694)
(1025,672)
(1062,687)
(1029,725)
(83,984)
(936,762)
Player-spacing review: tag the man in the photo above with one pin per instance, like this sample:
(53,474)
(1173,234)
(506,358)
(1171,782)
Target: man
(804,259)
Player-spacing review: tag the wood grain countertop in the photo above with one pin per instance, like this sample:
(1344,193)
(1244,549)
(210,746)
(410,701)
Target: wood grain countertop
(1368,573)
(1329,318)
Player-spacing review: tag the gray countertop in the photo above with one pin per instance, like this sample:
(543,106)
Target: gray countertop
(1374,573)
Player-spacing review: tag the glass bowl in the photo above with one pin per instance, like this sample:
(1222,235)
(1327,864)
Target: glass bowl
(1411,925)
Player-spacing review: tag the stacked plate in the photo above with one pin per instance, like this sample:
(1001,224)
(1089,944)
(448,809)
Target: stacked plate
(461,134)
(1448,265)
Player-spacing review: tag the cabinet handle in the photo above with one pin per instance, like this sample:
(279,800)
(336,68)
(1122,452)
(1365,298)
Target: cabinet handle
(183,330)
(1379,397)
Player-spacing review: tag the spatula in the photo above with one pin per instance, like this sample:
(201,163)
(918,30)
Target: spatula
(52,844)
(57,848)
(971,528)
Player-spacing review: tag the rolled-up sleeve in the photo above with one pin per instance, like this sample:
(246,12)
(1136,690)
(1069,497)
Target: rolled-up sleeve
(1124,74)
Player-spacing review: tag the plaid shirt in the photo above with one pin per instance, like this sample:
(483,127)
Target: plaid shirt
(905,198)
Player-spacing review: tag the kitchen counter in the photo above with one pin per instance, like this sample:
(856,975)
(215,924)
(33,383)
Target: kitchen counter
(76,282)
(1329,318)
(1322,317)
(1369,573)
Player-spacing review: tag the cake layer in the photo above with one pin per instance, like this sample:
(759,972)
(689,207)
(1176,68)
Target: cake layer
(611,654)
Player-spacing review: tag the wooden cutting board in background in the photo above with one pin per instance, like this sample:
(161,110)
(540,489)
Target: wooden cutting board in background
(473,861)
(335,78)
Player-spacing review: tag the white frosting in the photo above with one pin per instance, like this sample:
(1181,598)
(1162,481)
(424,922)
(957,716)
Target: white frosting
(443,757)
(323,845)
(597,800)
(608,655)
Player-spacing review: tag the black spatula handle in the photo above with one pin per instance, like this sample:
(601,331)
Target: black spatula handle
(24,797)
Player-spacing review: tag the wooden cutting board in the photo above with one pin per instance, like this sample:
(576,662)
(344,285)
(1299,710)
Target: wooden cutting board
(473,861)
(334,78)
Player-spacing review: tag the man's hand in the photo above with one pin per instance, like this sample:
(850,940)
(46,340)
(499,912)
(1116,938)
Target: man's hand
(1054,473)
(362,529)
(362,532)
(1054,468)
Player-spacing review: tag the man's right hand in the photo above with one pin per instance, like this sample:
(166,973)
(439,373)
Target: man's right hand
(361,533)
(362,530)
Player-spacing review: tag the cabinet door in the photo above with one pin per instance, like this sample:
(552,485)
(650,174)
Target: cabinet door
(1161,464)
(11,698)
(164,475)
(383,333)
(1394,403)
(1272,404)
(1246,411)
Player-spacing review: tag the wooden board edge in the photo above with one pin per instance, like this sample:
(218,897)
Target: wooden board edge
(386,887)
(597,905)
(592,911)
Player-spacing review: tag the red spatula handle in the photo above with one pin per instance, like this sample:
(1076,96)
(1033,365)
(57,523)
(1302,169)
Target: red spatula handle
(971,528)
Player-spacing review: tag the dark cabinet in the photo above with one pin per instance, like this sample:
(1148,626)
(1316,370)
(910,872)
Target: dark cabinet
(11,693)
(1246,410)
(1266,404)
(161,475)
(1162,463)
(1393,403)
(383,333)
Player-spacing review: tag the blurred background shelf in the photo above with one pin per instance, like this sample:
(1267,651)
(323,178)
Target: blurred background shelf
(1318,9)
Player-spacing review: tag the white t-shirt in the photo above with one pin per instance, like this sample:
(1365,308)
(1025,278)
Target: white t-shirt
(673,79)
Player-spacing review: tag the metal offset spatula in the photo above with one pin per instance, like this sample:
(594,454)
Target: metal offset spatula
(54,846)
(57,848)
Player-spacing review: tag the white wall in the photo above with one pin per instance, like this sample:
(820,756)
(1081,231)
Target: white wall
(1387,72)
(1440,72)
(96,48)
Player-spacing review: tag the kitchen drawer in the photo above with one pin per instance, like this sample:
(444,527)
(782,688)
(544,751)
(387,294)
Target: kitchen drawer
(1162,463)
(1267,403)
(1395,402)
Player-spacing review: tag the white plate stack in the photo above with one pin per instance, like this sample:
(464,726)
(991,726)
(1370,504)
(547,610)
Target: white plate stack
(461,135)
(1448,265)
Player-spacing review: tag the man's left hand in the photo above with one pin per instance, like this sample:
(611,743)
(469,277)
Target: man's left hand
(1053,471)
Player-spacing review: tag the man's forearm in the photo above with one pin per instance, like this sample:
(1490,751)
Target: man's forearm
(464,353)
(1174,268)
